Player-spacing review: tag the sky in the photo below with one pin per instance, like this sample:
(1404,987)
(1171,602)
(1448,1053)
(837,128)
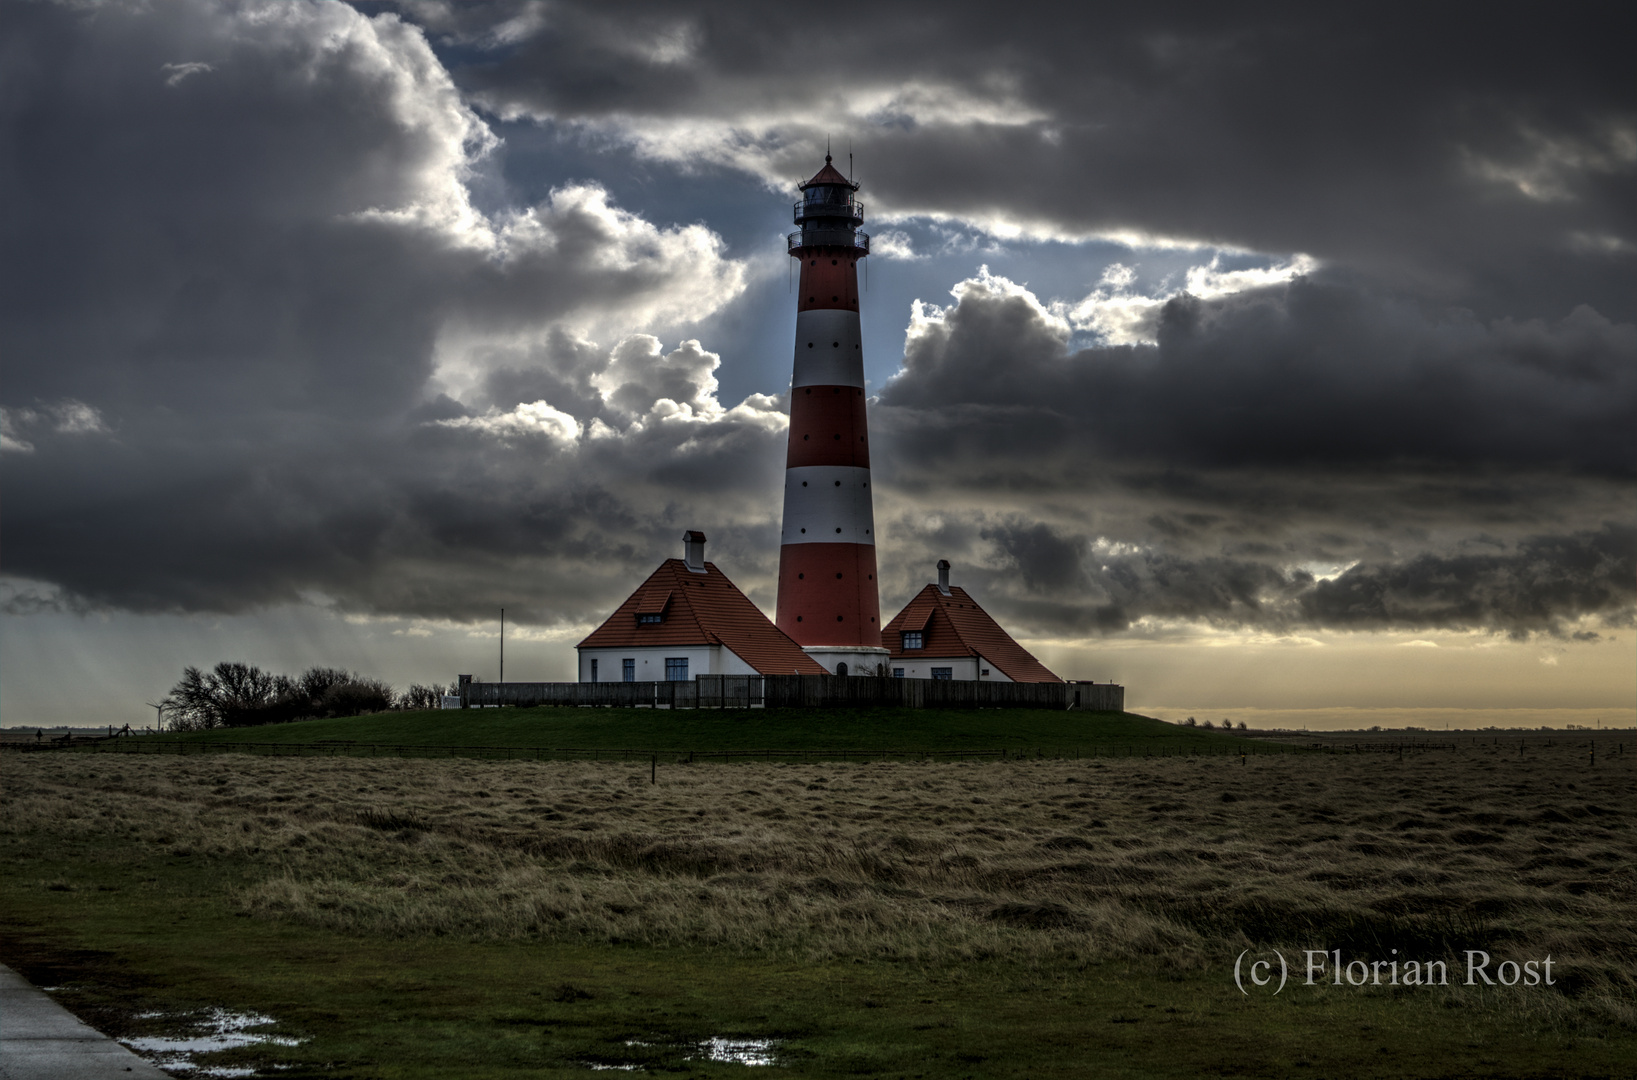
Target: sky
(1278,361)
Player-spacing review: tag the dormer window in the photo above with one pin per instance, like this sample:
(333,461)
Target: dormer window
(912,639)
(651,606)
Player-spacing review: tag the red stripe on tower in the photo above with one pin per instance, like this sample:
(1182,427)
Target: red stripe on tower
(828,600)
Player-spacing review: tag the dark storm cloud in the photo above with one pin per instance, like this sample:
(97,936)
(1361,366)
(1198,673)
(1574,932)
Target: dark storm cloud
(1313,374)
(239,248)
(1546,580)
(1486,157)
(1307,454)
(1542,584)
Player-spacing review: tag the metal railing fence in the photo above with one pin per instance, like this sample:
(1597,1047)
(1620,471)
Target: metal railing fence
(842,238)
(800,691)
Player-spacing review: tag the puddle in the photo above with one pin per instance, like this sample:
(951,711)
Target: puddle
(206,1033)
(741,1051)
(719,1049)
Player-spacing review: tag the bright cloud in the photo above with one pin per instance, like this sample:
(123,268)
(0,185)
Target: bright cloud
(1119,315)
(19,426)
(535,419)
(175,73)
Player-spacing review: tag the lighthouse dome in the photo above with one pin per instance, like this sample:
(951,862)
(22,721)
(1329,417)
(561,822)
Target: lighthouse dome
(827,177)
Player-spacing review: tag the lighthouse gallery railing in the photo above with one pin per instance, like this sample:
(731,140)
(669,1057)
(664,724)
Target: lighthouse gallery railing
(845,238)
(814,211)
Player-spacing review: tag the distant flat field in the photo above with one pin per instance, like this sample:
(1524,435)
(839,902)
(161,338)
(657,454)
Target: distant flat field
(1016,730)
(1034,918)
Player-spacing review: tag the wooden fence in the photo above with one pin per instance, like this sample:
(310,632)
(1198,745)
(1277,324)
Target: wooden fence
(800,692)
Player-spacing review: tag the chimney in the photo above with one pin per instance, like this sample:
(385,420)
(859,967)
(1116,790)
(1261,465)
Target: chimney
(943,576)
(693,550)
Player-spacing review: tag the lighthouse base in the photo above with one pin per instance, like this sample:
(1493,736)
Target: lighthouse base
(859,659)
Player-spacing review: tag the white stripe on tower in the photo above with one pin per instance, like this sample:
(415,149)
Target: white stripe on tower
(829,349)
(827,504)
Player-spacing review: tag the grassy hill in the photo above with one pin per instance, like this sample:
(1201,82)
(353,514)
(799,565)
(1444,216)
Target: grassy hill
(1018,731)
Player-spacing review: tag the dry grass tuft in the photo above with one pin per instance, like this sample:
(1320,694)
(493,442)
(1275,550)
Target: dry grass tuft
(1176,862)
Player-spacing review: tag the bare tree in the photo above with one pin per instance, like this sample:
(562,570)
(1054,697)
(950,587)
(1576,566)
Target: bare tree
(421,697)
(235,695)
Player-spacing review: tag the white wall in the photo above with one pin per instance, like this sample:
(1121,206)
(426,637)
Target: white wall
(702,660)
(962,668)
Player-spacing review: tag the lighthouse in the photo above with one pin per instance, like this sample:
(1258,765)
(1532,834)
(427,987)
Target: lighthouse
(828,601)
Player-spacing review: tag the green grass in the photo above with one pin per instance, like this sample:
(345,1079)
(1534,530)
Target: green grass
(124,937)
(1018,731)
(157,886)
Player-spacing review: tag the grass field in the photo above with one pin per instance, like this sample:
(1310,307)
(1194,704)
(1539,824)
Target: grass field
(1018,731)
(1034,918)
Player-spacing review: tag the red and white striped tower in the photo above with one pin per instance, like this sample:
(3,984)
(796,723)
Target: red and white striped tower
(828,599)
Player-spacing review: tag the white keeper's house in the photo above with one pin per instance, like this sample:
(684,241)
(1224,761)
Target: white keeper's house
(943,633)
(688,619)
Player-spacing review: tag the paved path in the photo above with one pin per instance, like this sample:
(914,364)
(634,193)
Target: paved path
(41,1040)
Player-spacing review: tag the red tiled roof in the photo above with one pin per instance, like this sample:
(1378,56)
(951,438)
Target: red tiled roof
(652,601)
(701,609)
(955,625)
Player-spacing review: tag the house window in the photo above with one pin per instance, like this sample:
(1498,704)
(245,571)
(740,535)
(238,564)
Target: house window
(943,673)
(912,639)
(984,673)
(650,618)
(676,669)
(898,673)
(628,670)
(593,670)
